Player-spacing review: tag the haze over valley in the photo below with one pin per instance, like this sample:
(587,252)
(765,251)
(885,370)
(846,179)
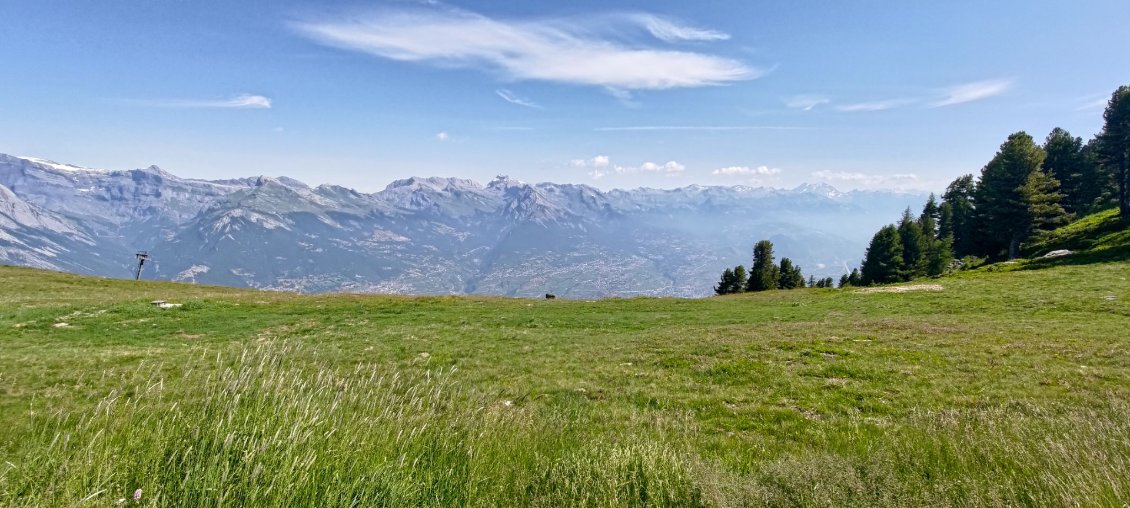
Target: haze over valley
(423,235)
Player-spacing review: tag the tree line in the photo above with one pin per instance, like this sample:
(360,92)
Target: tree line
(1026,188)
(765,274)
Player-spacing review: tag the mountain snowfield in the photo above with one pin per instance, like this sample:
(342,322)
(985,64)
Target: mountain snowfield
(423,235)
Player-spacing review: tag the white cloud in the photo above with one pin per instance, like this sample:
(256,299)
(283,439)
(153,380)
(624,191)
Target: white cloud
(586,51)
(243,101)
(746,171)
(860,107)
(602,166)
(510,97)
(600,161)
(863,180)
(806,102)
(670,167)
(625,97)
(969,92)
(671,31)
(442,136)
(278,129)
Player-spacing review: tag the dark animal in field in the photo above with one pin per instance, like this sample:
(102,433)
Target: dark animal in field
(550,296)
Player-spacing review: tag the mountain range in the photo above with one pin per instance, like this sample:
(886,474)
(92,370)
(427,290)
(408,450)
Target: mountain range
(423,235)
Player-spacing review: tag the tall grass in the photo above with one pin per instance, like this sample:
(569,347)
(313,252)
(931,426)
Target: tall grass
(270,427)
(262,430)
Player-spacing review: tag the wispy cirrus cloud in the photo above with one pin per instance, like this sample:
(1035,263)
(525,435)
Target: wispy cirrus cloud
(513,98)
(806,102)
(243,101)
(969,92)
(579,50)
(670,30)
(864,107)
(1094,102)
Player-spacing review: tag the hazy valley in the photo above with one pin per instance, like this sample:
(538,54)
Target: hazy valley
(422,235)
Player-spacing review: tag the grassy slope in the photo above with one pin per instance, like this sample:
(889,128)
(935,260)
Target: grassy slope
(1005,388)
(1101,236)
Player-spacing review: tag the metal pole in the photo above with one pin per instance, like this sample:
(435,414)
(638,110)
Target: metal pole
(141,257)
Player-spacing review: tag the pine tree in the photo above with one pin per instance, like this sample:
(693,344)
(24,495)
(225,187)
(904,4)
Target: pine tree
(1102,186)
(931,215)
(939,256)
(845,280)
(856,278)
(741,279)
(790,276)
(726,283)
(763,274)
(1043,199)
(913,246)
(1071,163)
(882,264)
(1114,149)
(811,281)
(958,199)
(1002,211)
(829,283)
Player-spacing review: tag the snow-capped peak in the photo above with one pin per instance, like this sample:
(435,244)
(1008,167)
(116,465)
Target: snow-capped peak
(817,188)
(503,182)
(69,168)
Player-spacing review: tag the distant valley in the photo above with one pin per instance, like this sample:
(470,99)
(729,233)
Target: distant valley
(423,235)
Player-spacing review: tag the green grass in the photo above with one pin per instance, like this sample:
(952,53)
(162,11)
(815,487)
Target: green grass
(1006,388)
(1099,231)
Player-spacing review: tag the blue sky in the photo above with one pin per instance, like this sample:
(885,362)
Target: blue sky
(616,94)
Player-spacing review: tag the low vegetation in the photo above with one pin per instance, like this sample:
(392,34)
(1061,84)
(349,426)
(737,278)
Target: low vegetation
(989,388)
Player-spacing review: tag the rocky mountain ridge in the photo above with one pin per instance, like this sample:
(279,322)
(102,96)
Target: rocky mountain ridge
(422,235)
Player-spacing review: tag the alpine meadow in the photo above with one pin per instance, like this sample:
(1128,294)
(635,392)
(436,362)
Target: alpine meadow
(468,253)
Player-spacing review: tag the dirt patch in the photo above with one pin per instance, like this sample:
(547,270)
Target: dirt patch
(903,289)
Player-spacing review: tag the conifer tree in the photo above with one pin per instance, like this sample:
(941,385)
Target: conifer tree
(882,264)
(1076,169)
(1043,199)
(855,278)
(811,281)
(939,256)
(726,283)
(931,215)
(914,246)
(790,275)
(845,280)
(958,199)
(1001,207)
(1102,187)
(763,274)
(741,279)
(1114,147)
